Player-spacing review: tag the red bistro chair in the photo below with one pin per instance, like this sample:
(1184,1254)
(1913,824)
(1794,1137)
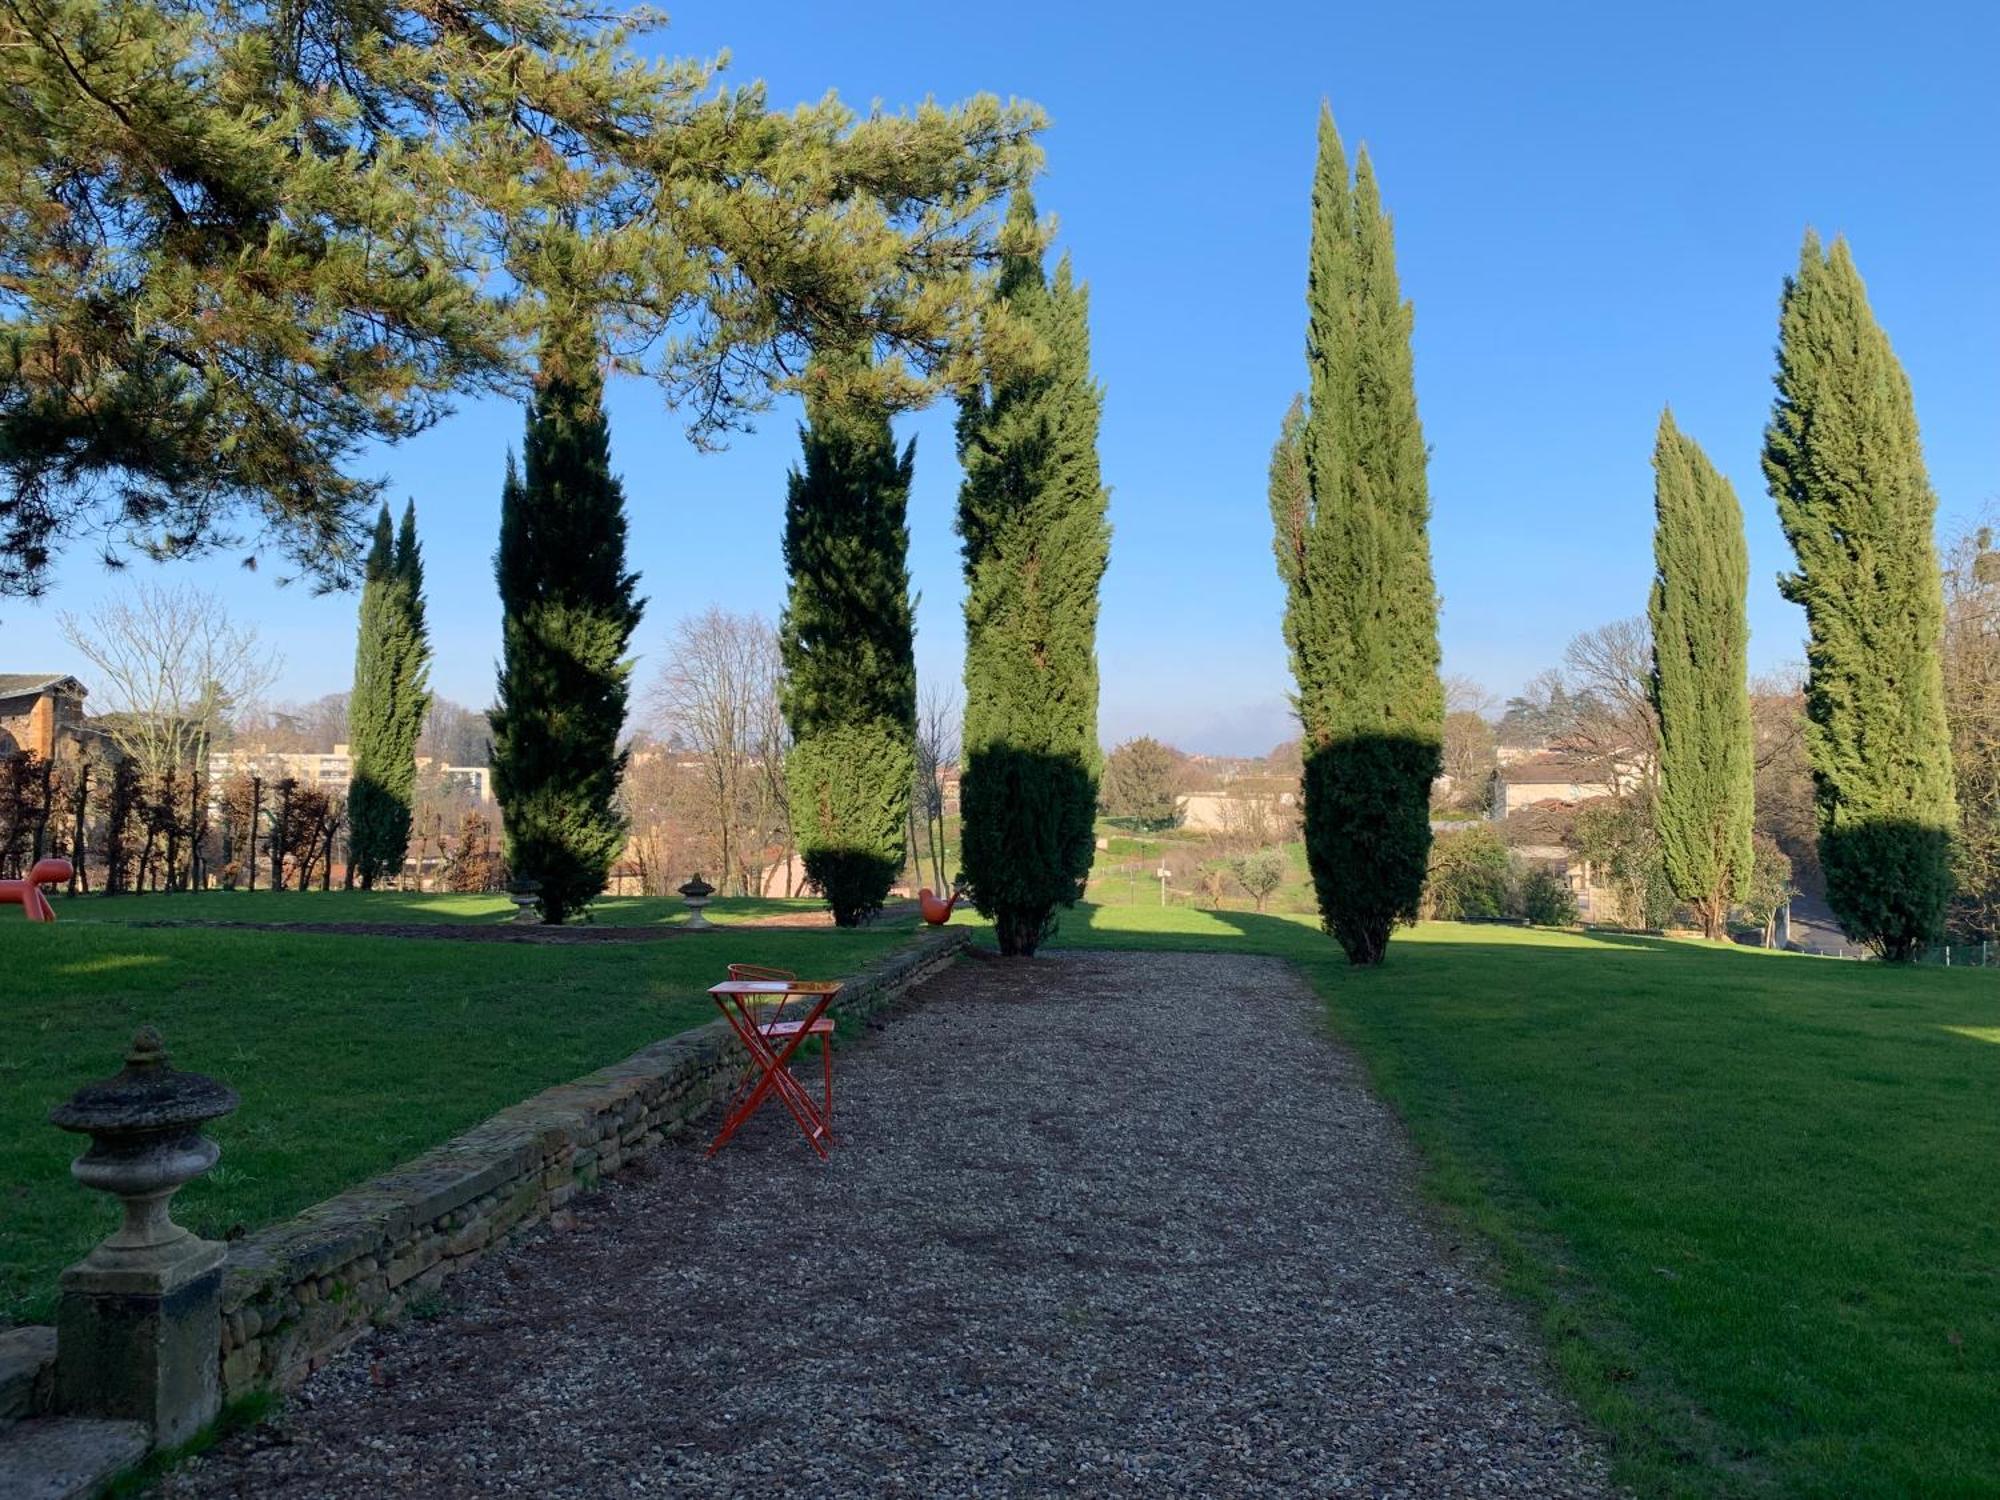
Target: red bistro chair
(778,1028)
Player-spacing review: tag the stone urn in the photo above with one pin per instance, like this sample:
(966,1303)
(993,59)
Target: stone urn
(526,896)
(144,1125)
(696,893)
(139,1318)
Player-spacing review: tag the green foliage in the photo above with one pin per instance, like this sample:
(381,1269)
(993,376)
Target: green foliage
(569,608)
(1705,801)
(243,244)
(1350,506)
(1261,872)
(1845,466)
(1142,784)
(1031,516)
(1546,899)
(1770,884)
(389,701)
(847,640)
(1621,840)
(1468,875)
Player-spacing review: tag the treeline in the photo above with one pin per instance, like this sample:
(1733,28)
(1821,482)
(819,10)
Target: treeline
(125,832)
(1842,460)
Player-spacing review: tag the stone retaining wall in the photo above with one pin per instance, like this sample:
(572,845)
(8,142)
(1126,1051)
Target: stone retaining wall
(296,1293)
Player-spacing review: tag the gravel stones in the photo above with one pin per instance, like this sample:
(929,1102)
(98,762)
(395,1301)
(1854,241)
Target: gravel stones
(1099,1224)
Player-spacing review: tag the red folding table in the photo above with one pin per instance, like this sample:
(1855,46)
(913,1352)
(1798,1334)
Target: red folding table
(770,1043)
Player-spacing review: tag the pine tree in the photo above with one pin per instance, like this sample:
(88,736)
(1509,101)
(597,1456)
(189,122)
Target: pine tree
(1350,504)
(847,640)
(1846,468)
(1701,639)
(240,249)
(391,695)
(569,608)
(1031,516)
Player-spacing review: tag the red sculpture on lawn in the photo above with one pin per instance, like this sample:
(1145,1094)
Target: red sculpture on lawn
(27,894)
(936,912)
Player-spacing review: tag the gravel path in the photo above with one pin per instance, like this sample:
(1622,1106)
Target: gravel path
(1102,1225)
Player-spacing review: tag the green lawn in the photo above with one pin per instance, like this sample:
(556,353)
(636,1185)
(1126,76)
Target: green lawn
(351,1053)
(1754,1197)
(384,906)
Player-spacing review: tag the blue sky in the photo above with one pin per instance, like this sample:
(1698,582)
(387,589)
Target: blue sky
(1595,207)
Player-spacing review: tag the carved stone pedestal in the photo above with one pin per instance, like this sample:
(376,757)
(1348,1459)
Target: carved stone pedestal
(140,1341)
(138,1323)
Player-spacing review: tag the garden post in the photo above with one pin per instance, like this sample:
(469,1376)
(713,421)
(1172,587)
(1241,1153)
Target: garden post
(139,1320)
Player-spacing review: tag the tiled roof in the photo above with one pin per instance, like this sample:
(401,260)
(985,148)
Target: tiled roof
(20,684)
(1552,773)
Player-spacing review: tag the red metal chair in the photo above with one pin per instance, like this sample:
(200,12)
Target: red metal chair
(778,1028)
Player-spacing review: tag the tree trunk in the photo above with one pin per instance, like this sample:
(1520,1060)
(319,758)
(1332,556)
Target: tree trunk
(256,811)
(79,865)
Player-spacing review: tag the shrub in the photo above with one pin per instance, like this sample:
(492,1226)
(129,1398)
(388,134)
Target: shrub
(1546,899)
(1467,876)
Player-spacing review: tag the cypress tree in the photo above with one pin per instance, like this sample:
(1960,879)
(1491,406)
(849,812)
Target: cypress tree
(1700,685)
(1350,504)
(847,640)
(569,608)
(1031,516)
(391,695)
(1846,468)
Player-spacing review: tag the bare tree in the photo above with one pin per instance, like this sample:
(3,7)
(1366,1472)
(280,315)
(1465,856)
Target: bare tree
(170,667)
(1467,695)
(296,727)
(1608,673)
(717,698)
(940,713)
(1785,809)
(1972,706)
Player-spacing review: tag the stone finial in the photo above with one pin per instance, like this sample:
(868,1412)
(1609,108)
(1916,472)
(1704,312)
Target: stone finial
(144,1124)
(138,1320)
(696,893)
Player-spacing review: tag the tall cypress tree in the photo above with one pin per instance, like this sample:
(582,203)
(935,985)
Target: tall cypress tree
(1353,550)
(569,608)
(1700,686)
(1031,516)
(1846,468)
(391,695)
(847,639)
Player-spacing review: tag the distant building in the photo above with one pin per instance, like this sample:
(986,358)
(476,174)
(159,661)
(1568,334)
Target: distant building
(40,712)
(1523,783)
(332,771)
(1544,834)
(1233,812)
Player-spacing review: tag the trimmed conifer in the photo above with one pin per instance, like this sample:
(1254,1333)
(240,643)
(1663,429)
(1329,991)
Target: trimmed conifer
(1031,516)
(1701,691)
(1350,504)
(1846,468)
(391,695)
(569,607)
(847,641)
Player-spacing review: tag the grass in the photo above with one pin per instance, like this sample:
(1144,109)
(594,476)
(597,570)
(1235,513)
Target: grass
(351,1053)
(384,907)
(1751,1196)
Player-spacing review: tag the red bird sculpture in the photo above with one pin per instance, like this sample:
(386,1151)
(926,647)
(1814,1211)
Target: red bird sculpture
(936,912)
